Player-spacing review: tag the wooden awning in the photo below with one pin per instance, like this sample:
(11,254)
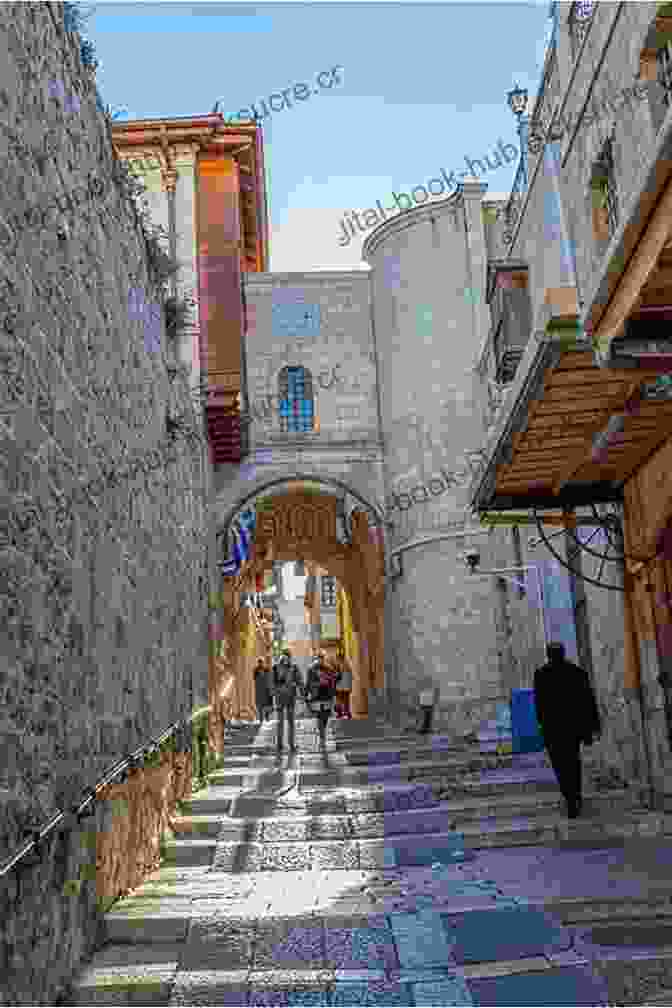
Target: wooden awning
(553,461)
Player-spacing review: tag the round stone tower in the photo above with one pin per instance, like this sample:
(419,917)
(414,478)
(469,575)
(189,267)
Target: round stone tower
(430,318)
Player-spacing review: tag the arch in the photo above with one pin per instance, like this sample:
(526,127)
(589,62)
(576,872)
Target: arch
(296,401)
(327,484)
(358,566)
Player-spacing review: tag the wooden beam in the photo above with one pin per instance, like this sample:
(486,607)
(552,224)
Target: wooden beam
(636,460)
(577,419)
(598,376)
(582,455)
(600,390)
(573,359)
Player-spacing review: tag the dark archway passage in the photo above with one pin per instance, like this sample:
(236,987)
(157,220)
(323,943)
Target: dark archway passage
(299,525)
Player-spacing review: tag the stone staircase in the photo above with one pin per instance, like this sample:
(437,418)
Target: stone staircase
(396,871)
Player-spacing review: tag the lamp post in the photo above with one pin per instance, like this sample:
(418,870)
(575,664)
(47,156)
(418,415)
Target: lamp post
(517,101)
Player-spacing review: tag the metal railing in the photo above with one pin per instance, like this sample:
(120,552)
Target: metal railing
(82,810)
(515,201)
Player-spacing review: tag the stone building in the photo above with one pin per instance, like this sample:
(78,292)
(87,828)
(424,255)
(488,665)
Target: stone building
(585,424)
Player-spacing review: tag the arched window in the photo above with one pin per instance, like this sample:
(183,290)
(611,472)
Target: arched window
(297,412)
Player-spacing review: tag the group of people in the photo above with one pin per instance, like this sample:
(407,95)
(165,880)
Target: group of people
(326,689)
(565,704)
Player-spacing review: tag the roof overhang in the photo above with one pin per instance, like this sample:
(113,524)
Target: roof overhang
(572,432)
(207,135)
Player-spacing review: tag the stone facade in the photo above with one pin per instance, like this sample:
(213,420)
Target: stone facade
(581,85)
(103,519)
(439,628)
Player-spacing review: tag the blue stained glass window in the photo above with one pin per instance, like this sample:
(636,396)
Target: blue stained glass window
(297,413)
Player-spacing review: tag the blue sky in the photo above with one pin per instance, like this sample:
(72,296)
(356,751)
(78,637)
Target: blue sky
(422,86)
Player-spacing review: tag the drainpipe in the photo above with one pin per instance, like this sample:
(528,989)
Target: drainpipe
(633,677)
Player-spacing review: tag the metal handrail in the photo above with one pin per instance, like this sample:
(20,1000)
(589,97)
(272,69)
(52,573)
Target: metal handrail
(130,761)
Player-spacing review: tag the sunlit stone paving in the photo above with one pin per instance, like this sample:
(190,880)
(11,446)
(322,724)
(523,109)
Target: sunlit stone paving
(393,871)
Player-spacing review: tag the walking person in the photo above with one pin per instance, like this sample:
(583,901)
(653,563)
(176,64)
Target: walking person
(568,715)
(321,691)
(344,690)
(286,682)
(262,691)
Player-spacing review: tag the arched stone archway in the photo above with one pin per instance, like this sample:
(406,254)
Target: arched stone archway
(273,484)
(297,525)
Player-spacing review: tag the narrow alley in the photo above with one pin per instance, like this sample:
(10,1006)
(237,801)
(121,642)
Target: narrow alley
(336,577)
(393,871)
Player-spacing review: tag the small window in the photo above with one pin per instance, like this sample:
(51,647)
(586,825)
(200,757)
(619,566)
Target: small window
(297,408)
(603,192)
(664,74)
(328,591)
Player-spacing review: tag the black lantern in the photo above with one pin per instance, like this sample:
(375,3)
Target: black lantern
(517,100)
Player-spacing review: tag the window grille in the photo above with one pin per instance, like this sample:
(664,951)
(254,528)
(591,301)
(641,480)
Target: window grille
(297,410)
(664,75)
(328,591)
(604,186)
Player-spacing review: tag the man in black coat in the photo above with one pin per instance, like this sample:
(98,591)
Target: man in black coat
(567,714)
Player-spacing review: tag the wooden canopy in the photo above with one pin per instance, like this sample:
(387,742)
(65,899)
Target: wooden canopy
(551,462)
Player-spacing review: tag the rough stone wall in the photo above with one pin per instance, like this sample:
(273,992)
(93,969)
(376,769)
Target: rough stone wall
(103,611)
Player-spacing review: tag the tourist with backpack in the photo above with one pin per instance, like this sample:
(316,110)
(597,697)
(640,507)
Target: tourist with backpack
(321,692)
(286,683)
(262,692)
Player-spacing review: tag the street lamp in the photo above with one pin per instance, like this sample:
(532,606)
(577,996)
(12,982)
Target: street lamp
(517,101)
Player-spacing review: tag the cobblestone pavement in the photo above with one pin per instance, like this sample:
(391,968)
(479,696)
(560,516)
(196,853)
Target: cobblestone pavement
(390,871)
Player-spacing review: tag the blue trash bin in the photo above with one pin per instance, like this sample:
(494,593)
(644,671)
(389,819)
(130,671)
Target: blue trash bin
(525,728)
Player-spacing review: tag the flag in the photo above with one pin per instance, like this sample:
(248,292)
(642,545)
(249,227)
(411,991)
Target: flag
(238,549)
(229,568)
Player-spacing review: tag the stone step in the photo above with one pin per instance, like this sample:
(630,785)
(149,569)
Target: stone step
(443,985)
(211,801)
(353,822)
(664,997)
(354,852)
(120,974)
(633,974)
(457,768)
(358,753)
(395,796)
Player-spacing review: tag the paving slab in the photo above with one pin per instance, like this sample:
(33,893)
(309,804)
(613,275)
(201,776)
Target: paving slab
(489,935)
(570,985)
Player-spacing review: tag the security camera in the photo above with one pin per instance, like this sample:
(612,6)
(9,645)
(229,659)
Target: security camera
(472,558)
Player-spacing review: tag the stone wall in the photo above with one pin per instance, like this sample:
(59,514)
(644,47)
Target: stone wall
(103,577)
(322,322)
(618,757)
